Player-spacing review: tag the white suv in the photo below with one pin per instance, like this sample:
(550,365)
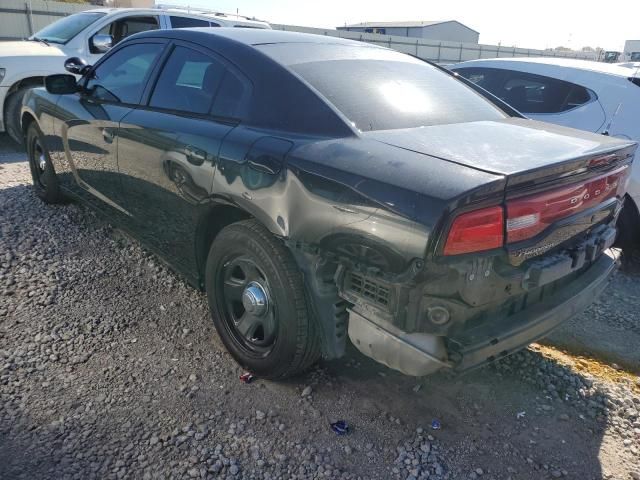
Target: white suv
(88,35)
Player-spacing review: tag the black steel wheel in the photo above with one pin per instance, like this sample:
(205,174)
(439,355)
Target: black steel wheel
(45,181)
(257,301)
(249,310)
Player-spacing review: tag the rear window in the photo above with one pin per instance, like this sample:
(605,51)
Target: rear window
(378,89)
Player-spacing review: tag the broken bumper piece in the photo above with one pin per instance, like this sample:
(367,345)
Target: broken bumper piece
(419,354)
(414,354)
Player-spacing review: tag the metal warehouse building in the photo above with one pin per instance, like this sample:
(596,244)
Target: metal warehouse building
(448,30)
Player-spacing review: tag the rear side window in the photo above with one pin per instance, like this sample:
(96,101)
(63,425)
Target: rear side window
(186,22)
(188,82)
(483,77)
(527,92)
(193,82)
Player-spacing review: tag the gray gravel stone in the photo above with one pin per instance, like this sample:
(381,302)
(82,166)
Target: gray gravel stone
(79,398)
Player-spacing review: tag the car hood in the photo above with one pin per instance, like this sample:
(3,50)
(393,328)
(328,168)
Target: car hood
(27,48)
(507,147)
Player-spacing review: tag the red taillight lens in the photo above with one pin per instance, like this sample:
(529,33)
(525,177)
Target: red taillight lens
(529,216)
(476,231)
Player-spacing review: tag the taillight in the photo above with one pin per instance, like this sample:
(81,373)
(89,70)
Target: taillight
(530,215)
(476,231)
(526,217)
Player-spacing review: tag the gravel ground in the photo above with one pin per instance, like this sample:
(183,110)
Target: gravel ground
(612,331)
(110,368)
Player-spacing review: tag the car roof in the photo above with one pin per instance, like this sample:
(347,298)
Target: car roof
(251,36)
(180,13)
(554,62)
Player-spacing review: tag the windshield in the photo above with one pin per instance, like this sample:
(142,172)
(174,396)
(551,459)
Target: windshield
(66,28)
(379,89)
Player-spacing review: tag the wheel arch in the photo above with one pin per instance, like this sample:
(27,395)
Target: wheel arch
(26,119)
(210,223)
(34,81)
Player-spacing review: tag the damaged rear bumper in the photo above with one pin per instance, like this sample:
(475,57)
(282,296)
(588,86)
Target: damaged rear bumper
(422,354)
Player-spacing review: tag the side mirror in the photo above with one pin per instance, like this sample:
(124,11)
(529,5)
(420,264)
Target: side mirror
(76,65)
(101,43)
(61,84)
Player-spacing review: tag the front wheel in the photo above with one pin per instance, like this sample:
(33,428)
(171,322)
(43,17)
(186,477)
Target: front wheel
(257,301)
(45,181)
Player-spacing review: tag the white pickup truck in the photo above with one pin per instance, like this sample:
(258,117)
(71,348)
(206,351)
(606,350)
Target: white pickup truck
(87,35)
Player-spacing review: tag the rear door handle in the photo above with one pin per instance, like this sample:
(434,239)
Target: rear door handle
(195,156)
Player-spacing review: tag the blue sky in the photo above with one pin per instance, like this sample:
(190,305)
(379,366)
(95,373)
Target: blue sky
(533,24)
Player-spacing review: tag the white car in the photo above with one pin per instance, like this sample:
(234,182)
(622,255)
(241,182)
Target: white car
(597,97)
(87,35)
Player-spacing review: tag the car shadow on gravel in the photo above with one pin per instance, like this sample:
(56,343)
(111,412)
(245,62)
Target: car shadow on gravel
(18,457)
(10,151)
(523,417)
(609,329)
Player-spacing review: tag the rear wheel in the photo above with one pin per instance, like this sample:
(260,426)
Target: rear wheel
(45,181)
(257,300)
(629,234)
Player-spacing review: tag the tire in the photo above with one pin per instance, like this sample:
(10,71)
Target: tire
(13,103)
(278,340)
(45,180)
(629,235)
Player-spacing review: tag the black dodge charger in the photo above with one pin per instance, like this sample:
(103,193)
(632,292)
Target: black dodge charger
(320,189)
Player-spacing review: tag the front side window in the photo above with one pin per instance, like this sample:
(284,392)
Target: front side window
(125,27)
(122,76)
(68,27)
(193,82)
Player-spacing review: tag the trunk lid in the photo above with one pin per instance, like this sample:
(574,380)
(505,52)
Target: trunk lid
(524,151)
(559,183)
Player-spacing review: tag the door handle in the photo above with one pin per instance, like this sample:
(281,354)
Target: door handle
(107,135)
(195,156)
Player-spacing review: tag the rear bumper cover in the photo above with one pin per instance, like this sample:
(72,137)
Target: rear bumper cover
(539,320)
(422,354)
